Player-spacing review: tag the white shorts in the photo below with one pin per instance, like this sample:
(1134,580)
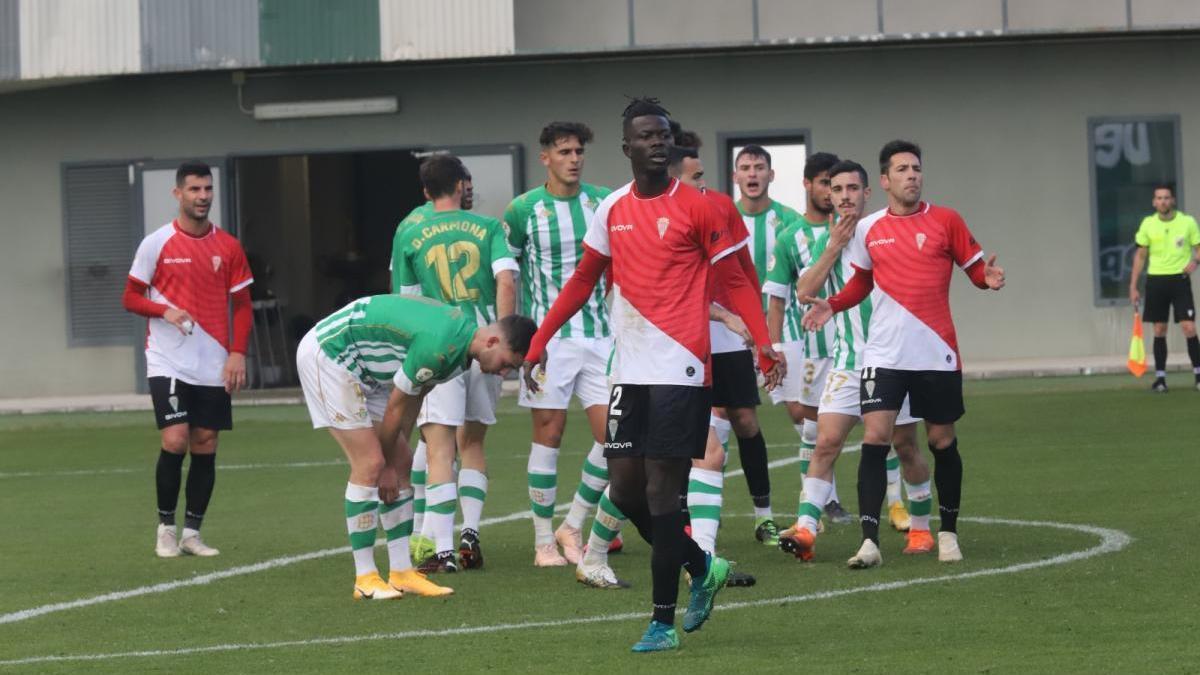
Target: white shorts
(335,396)
(577,366)
(842,396)
(805,377)
(470,397)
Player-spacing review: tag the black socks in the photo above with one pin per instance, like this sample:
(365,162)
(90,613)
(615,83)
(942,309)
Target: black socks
(947,475)
(753,454)
(202,475)
(872,488)
(166,479)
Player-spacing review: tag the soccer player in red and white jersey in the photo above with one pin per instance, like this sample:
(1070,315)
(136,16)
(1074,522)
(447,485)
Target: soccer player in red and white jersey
(183,277)
(661,240)
(907,253)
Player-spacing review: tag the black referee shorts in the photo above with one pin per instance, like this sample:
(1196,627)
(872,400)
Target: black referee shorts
(657,421)
(1164,291)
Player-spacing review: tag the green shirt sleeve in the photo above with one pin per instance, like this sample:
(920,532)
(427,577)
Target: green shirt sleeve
(498,243)
(781,267)
(514,226)
(403,273)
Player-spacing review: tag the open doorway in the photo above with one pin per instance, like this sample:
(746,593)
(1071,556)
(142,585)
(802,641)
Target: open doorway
(317,229)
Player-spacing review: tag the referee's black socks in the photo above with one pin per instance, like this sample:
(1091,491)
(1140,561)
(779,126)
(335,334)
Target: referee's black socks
(1193,345)
(166,481)
(753,454)
(872,487)
(1160,356)
(947,475)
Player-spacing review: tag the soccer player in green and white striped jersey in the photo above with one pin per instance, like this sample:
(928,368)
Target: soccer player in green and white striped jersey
(839,408)
(545,231)
(459,258)
(810,352)
(348,365)
(764,218)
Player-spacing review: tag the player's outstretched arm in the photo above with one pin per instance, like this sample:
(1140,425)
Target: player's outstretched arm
(394,433)
(986,275)
(855,291)
(574,295)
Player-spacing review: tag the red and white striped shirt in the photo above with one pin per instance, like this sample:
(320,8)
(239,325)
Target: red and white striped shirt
(196,274)
(911,258)
(661,249)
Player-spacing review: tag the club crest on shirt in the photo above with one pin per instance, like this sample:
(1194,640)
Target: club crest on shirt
(920,240)
(1179,242)
(588,202)
(771,262)
(663,223)
(424,374)
(216,260)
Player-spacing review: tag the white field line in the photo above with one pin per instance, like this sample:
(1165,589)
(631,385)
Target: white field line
(273,563)
(1111,541)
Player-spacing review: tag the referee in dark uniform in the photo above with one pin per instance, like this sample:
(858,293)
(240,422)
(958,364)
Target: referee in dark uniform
(1171,239)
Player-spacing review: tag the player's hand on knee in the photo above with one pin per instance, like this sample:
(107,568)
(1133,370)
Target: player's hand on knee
(389,484)
(527,371)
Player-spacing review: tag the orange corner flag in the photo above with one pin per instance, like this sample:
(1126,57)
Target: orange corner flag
(1137,347)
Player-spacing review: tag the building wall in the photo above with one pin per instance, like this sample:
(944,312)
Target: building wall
(1003,128)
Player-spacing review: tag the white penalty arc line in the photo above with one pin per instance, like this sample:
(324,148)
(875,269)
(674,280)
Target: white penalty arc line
(273,563)
(1111,541)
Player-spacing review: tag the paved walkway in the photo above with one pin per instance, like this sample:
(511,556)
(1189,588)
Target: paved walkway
(1082,365)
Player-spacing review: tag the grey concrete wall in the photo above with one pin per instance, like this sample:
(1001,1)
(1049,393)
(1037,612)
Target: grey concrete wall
(917,16)
(556,26)
(1003,127)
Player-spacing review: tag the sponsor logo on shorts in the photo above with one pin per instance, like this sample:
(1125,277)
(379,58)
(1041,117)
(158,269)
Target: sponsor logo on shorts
(869,385)
(871,401)
(627,445)
(173,401)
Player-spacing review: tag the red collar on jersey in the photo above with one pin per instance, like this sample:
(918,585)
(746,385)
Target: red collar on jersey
(211,228)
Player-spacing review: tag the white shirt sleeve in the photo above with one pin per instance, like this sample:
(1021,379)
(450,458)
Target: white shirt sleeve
(856,249)
(145,261)
(597,232)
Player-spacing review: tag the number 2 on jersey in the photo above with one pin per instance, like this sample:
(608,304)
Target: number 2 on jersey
(454,288)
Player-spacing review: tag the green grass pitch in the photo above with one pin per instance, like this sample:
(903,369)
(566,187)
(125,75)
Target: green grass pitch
(77,498)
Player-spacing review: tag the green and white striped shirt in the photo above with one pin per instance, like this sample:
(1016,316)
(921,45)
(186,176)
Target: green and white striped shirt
(764,227)
(798,246)
(545,233)
(405,340)
(851,325)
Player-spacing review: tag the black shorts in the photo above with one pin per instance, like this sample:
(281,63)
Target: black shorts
(734,380)
(657,421)
(1164,291)
(177,402)
(934,395)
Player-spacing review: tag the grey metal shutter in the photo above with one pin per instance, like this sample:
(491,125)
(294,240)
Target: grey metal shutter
(99,243)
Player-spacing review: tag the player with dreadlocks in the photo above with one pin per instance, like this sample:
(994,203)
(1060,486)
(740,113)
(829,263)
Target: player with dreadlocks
(660,240)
